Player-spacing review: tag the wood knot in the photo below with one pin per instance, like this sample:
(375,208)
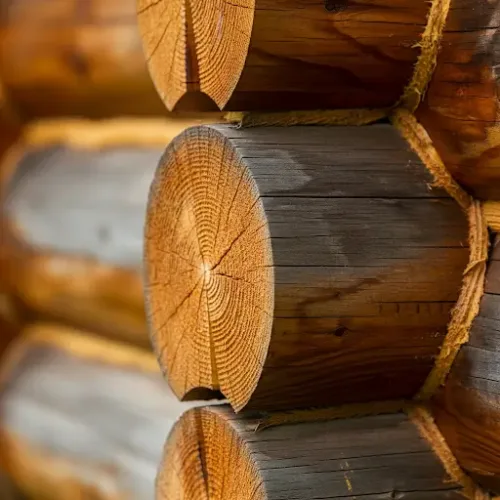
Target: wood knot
(336,5)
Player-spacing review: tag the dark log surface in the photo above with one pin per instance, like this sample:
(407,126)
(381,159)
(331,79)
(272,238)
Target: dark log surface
(80,425)
(461,110)
(324,270)
(213,454)
(468,410)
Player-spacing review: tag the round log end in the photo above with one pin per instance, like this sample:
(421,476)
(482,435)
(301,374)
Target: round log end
(189,44)
(209,274)
(196,456)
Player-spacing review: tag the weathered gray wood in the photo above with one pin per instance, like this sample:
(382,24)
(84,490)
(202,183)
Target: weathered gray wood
(335,234)
(468,409)
(92,425)
(377,458)
(83,202)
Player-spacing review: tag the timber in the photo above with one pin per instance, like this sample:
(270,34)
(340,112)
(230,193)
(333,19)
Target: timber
(378,457)
(262,54)
(82,417)
(73,200)
(299,267)
(461,109)
(468,408)
(81,58)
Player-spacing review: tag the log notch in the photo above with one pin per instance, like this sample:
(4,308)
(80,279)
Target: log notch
(461,110)
(299,54)
(213,454)
(74,197)
(468,409)
(78,57)
(81,417)
(297,267)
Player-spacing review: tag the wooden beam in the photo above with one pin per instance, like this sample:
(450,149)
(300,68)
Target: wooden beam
(468,409)
(261,55)
(299,267)
(82,417)
(213,454)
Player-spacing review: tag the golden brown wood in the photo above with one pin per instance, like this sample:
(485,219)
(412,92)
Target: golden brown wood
(461,109)
(74,57)
(82,418)
(293,54)
(299,267)
(211,454)
(74,196)
(468,409)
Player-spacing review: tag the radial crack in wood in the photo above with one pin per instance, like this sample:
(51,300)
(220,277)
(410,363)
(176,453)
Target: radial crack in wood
(299,267)
(294,54)
(211,454)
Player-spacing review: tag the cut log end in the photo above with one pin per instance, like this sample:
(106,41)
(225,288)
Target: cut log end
(209,268)
(201,443)
(189,44)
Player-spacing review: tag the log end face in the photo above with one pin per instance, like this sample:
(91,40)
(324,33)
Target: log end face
(209,275)
(189,44)
(200,451)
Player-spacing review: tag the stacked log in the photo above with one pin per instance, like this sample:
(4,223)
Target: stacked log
(79,57)
(73,200)
(379,457)
(467,410)
(299,267)
(82,417)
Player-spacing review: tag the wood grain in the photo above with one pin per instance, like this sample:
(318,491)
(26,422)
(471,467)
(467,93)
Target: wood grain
(461,110)
(213,454)
(468,409)
(74,57)
(299,267)
(73,217)
(81,418)
(293,54)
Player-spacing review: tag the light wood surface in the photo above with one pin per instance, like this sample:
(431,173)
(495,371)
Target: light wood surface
(299,267)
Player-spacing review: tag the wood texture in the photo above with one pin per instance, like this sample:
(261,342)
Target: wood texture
(74,57)
(81,418)
(299,267)
(461,110)
(293,54)
(213,454)
(73,215)
(468,409)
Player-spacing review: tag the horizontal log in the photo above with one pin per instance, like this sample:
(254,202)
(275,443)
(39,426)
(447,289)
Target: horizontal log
(299,267)
(78,57)
(461,108)
(213,454)
(74,196)
(468,409)
(82,417)
(298,54)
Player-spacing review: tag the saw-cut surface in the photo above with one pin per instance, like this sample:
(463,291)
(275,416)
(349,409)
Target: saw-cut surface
(211,454)
(299,267)
(293,54)
(82,418)
(468,409)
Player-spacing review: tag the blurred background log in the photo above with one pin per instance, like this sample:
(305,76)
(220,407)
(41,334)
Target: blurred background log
(296,54)
(82,417)
(298,267)
(468,409)
(74,197)
(74,57)
(212,454)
